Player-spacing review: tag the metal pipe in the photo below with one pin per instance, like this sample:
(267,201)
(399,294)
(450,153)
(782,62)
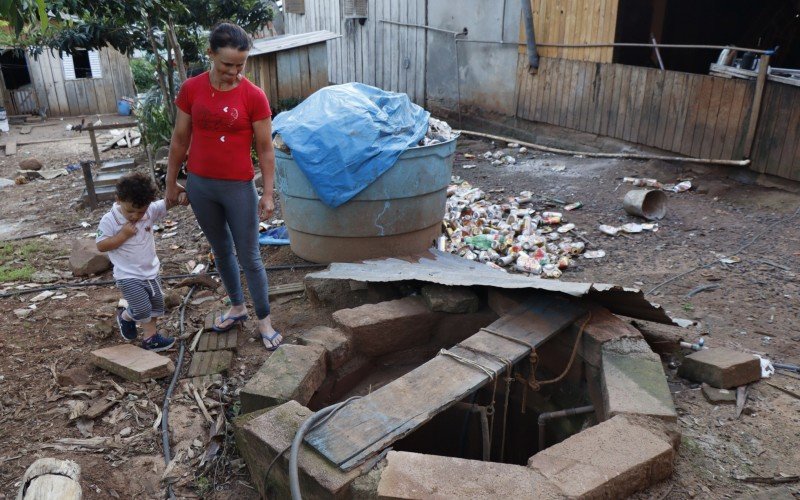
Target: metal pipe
(430,28)
(530,40)
(650,46)
(569,412)
(658,54)
(482,410)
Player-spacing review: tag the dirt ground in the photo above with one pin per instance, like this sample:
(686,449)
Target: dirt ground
(754,309)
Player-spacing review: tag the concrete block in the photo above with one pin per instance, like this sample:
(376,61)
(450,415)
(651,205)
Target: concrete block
(719,396)
(613,459)
(292,372)
(454,328)
(604,327)
(340,294)
(633,382)
(381,328)
(450,299)
(131,362)
(261,436)
(417,476)
(337,344)
(721,367)
(86,259)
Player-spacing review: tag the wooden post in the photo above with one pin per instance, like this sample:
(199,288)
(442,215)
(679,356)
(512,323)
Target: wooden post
(87,177)
(755,110)
(94,147)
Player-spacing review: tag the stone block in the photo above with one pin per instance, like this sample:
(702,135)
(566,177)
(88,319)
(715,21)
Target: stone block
(633,382)
(350,374)
(604,327)
(381,328)
(450,299)
(132,363)
(261,436)
(613,459)
(340,294)
(292,372)
(418,476)
(719,396)
(86,259)
(454,328)
(721,367)
(503,301)
(77,375)
(337,344)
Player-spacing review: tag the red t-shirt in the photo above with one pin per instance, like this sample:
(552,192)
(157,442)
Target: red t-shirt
(222,126)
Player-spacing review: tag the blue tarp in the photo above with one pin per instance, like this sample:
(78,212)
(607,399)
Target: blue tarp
(275,236)
(343,137)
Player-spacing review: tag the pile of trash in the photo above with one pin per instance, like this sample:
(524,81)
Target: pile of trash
(438,131)
(680,187)
(509,235)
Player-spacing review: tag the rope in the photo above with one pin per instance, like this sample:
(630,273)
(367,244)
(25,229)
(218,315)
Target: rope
(466,361)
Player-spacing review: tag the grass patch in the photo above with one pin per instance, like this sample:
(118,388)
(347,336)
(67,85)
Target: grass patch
(17,260)
(8,273)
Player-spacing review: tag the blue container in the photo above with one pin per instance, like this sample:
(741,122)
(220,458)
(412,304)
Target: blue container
(398,214)
(123,107)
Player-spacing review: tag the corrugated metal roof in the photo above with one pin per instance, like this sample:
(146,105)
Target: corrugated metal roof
(286,42)
(443,268)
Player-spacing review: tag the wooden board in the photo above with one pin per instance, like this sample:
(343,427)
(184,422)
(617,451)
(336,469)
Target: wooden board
(213,341)
(210,363)
(370,424)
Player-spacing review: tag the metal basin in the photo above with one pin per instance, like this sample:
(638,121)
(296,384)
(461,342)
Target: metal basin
(398,214)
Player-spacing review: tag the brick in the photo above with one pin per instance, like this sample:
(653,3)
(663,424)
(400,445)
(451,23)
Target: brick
(261,436)
(337,344)
(132,363)
(721,367)
(719,396)
(613,459)
(604,327)
(292,372)
(418,476)
(633,381)
(454,328)
(450,299)
(381,328)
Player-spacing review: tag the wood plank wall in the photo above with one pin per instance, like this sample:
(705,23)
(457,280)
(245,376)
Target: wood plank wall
(574,22)
(777,143)
(374,53)
(695,115)
(86,95)
(295,73)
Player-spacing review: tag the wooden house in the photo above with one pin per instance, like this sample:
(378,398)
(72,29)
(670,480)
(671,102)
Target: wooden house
(85,83)
(290,67)
(598,69)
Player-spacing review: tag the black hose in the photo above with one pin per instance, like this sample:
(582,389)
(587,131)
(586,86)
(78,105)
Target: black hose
(530,39)
(168,395)
(27,291)
(45,233)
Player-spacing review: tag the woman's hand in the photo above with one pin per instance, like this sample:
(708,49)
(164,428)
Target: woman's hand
(173,195)
(266,206)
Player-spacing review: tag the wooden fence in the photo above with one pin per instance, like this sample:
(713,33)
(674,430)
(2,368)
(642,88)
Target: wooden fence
(293,74)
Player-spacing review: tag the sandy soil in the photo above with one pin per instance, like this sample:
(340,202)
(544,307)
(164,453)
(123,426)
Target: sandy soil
(755,309)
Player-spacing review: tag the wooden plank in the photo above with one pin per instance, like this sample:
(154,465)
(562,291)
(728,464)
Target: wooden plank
(783,117)
(763,139)
(752,125)
(615,109)
(564,92)
(369,425)
(713,116)
(645,106)
(701,122)
(736,108)
(37,79)
(606,95)
(570,95)
(51,98)
(99,407)
(654,106)
(537,104)
(676,96)
(789,161)
(721,129)
(58,87)
(628,83)
(284,77)
(684,146)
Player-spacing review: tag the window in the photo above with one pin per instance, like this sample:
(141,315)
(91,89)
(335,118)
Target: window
(294,6)
(354,9)
(82,64)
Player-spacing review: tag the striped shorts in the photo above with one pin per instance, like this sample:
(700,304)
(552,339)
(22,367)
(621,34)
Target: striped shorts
(145,298)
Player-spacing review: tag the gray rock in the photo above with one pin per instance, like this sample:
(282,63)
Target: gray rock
(44,277)
(6,183)
(86,260)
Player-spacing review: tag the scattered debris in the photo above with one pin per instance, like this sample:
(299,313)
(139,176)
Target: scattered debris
(438,131)
(718,396)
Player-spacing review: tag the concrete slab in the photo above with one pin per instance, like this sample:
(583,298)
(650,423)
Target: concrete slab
(292,372)
(132,363)
(417,476)
(613,459)
(721,367)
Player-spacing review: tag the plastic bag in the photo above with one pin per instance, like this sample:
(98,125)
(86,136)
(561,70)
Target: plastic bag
(343,137)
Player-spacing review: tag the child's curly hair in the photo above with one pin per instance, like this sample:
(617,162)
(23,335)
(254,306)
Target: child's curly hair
(137,189)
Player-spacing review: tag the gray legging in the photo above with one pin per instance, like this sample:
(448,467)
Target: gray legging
(228,215)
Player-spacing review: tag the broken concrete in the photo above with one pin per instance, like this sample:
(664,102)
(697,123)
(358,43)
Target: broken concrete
(260,436)
(450,299)
(86,260)
(292,372)
(721,367)
(633,381)
(338,346)
(718,396)
(378,329)
(132,363)
(417,476)
(613,459)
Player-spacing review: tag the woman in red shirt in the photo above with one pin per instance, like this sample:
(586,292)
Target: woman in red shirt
(219,114)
